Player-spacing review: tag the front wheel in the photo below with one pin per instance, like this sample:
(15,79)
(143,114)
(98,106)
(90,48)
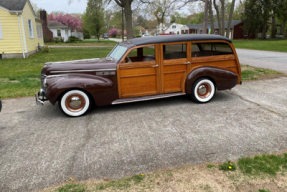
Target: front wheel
(74,103)
(203,90)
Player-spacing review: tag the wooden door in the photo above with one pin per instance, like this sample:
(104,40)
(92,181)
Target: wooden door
(139,72)
(175,62)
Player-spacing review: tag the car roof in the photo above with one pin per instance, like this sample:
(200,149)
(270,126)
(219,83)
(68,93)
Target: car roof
(175,38)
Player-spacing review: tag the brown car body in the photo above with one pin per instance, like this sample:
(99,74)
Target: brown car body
(110,81)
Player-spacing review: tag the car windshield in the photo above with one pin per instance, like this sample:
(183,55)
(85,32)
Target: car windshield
(117,52)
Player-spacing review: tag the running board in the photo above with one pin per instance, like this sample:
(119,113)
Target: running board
(145,98)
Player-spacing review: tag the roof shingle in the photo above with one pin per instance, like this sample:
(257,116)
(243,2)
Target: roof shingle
(13,5)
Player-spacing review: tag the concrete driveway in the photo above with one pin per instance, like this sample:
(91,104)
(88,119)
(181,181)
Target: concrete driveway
(40,147)
(265,59)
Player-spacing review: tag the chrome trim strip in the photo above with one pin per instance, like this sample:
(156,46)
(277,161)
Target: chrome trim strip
(76,71)
(145,98)
(52,76)
(155,66)
(187,63)
(72,61)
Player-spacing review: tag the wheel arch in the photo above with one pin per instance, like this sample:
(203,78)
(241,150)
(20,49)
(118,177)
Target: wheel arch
(222,78)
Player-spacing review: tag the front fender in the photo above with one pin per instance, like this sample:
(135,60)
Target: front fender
(103,90)
(223,79)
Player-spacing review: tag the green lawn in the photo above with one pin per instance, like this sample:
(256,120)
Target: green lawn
(86,43)
(266,45)
(21,77)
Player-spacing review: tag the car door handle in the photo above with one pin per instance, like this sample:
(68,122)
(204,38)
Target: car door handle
(187,63)
(155,66)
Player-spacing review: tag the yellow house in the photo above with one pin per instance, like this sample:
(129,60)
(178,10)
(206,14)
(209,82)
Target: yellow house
(21,32)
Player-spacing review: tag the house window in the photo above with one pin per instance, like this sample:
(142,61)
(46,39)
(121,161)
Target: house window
(59,33)
(215,33)
(1,33)
(174,26)
(30,28)
(39,31)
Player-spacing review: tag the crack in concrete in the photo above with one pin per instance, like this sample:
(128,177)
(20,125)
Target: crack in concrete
(87,138)
(265,108)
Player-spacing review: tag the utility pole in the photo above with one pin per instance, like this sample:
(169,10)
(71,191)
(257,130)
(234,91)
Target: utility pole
(205,17)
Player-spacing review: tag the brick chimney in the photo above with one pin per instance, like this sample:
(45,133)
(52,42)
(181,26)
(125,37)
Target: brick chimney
(47,34)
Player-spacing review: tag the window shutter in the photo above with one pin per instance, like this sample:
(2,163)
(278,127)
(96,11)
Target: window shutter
(1,33)
(32,28)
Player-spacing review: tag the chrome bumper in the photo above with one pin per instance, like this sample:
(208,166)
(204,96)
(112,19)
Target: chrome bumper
(40,97)
(0,104)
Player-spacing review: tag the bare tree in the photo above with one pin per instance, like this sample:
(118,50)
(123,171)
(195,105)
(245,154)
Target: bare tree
(218,16)
(230,18)
(211,16)
(205,17)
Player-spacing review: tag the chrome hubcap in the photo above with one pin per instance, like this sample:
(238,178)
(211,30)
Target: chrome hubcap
(75,102)
(202,89)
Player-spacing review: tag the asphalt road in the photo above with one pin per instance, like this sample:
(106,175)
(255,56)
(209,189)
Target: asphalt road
(265,59)
(40,147)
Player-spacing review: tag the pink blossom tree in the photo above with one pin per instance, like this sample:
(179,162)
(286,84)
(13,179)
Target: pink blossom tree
(71,21)
(113,32)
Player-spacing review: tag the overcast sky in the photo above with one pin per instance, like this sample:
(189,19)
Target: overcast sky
(78,6)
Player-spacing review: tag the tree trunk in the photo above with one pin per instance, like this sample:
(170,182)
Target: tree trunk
(205,18)
(273,28)
(211,17)
(222,17)
(98,38)
(128,15)
(230,19)
(123,25)
(218,17)
(282,27)
(264,31)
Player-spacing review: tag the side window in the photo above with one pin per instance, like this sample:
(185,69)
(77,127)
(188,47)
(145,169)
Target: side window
(175,51)
(210,49)
(141,54)
(1,33)
(59,33)
(30,28)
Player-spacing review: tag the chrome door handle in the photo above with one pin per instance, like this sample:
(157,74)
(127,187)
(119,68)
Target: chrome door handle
(155,66)
(187,63)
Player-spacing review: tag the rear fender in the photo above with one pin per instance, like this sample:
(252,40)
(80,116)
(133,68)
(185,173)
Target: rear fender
(223,79)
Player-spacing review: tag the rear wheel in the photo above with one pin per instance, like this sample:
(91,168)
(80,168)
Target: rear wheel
(203,90)
(75,103)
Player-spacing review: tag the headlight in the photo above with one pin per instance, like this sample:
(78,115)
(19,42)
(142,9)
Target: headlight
(45,82)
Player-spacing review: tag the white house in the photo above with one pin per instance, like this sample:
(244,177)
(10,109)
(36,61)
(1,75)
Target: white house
(174,28)
(59,30)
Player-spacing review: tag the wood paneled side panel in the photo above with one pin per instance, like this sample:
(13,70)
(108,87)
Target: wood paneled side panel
(172,82)
(174,68)
(144,85)
(229,65)
(137,72)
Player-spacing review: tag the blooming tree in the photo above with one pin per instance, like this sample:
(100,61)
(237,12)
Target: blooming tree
(71,21)
(113,32)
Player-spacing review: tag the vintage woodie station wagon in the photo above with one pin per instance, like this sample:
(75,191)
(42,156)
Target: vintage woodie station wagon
(143,69)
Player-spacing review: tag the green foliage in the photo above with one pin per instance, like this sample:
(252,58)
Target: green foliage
(210,165)
(72,188)
(58,40)
(93,18)
(227,166)
(136,31)
(259,164)
(178,18)
(74,39)
(45,49)
(197,18)
(86,34)
(262,190)
(121,183)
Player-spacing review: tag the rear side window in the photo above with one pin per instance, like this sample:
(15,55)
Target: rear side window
(175,51)
(141,54)
(210,49)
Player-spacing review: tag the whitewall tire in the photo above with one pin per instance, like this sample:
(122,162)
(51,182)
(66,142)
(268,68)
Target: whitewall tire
(74,103)
(203,90)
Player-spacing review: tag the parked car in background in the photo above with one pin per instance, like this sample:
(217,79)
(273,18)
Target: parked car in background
(145,35)
(106,36)
(142,69)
